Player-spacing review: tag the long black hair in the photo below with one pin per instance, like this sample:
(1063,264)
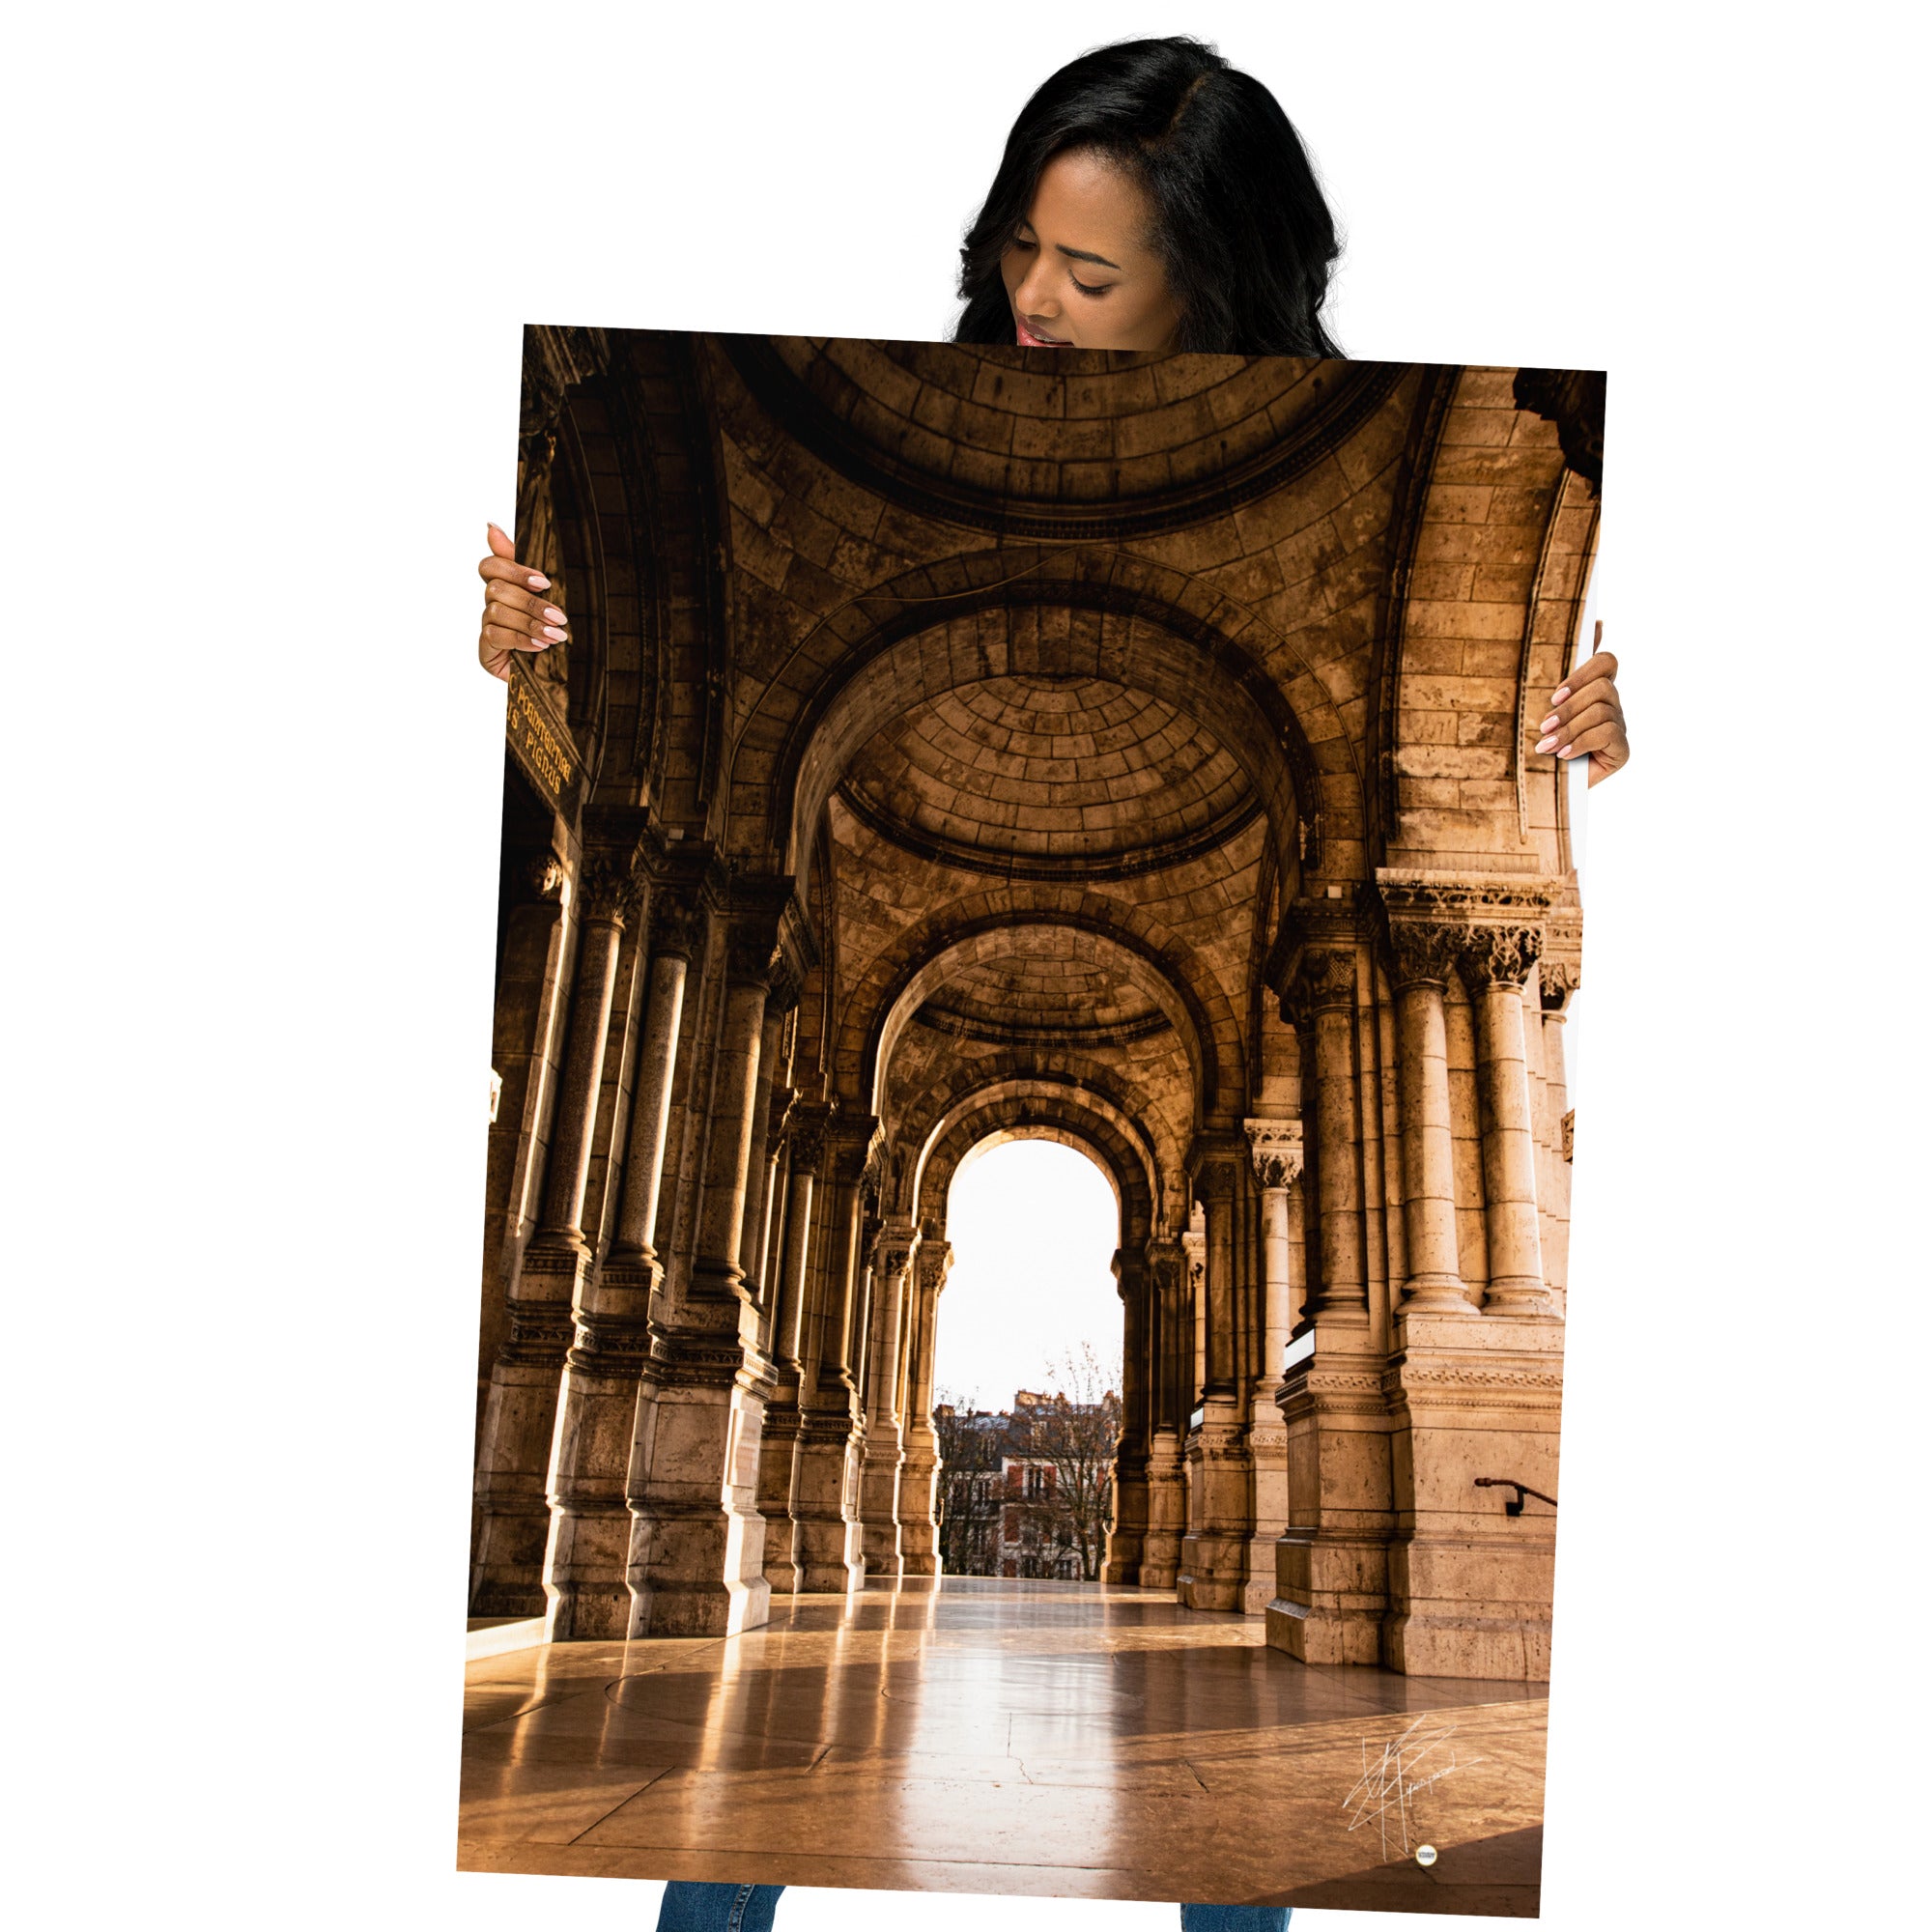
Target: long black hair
(1240,227)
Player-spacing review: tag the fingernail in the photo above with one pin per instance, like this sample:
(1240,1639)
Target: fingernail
(1566,751)
(539,643)
(1550,723)
(554,636)
(1546,744)
(554,616)
(1557,697)
(538,581)
(498,528)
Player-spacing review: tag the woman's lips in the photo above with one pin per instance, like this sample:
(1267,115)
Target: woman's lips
(1031,338)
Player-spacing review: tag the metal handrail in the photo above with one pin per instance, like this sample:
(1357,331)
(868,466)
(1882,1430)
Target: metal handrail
(1514,1507)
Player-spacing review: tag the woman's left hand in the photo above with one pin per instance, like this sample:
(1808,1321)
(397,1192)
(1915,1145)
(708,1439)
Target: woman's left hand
(1586,718)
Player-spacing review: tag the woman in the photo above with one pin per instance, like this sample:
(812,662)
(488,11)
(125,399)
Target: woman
(1151,197)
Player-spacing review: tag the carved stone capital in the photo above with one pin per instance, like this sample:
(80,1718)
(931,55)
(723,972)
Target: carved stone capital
(1557,979)
(769,940)
(1194,1246)
(1276,1150)
(897,1241)
(609,886)
(1497,955)
(810,1121)
(1422,952)
(1321,977)
(936,1258)
(677,922)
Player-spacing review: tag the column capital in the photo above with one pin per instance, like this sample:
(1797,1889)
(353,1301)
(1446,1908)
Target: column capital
(1276,1150)
(1497,955)
(609,884)
(1194,1244)
(1558,979)
(934,1262)
(1486,928)
(807,1130)
(898,1242)
(769,941)
(1212,1161)
(1312,963)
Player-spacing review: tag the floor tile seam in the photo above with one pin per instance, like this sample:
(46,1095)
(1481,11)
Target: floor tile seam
(620,1803)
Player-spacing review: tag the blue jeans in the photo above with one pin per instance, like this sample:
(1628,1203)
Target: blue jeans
(751,1908)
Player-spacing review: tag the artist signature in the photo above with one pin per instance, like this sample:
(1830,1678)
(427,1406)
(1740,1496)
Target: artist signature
(1393,1779)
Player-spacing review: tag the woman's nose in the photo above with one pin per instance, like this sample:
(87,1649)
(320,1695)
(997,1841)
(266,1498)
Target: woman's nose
(1034,295)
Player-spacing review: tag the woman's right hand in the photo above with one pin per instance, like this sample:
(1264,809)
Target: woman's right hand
(514,617)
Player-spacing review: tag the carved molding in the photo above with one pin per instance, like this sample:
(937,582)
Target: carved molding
(1278,1150)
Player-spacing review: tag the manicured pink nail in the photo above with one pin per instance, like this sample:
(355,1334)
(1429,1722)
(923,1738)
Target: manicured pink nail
(1547,744)
(554,636)
(1566,751)
(1550,723)
(539,582)
(1557,697)
(554,616)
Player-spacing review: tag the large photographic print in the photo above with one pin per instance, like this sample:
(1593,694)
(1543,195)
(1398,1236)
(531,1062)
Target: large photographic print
(958,748)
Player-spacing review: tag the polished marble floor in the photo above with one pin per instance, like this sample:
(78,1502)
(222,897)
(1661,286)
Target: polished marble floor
(1055,1739)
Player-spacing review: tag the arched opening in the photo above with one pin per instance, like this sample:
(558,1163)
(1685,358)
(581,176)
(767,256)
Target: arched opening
(1028,1359)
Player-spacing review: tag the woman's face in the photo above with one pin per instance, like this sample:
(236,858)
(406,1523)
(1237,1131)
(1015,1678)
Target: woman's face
(1080,273)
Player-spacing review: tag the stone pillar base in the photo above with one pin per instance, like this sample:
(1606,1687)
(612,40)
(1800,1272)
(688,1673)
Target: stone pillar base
(1259,1591)
(1167,1513)
(1215,1552)
(825,1525)
(1323,1635)
(697,1542)
(585,1573)
(1512,1649)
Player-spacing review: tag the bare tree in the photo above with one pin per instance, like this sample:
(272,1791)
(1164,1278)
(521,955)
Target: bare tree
(972,1446)
(1076,1435)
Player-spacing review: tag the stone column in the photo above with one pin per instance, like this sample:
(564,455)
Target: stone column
(520,1412)
(1557,979)
(1467,1395)
(1423,955)
(918,1479)
(1331,1558)
(697,1549)
(676,933)
(1214,1557)
(1128,1535)
(1277,1152)
(884,1458)
(1170,1310)
(1495,961)
(751,1236)
(1321,1001)
(777,1455)
(829,1429)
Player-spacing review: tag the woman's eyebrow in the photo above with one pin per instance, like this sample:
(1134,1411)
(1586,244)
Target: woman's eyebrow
(1087,255)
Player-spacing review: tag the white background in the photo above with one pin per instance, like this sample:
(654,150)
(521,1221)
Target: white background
(272,265)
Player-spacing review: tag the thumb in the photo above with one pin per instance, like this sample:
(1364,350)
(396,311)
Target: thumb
(499,543)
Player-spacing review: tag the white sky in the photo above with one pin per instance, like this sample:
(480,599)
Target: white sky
(1033,1227)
